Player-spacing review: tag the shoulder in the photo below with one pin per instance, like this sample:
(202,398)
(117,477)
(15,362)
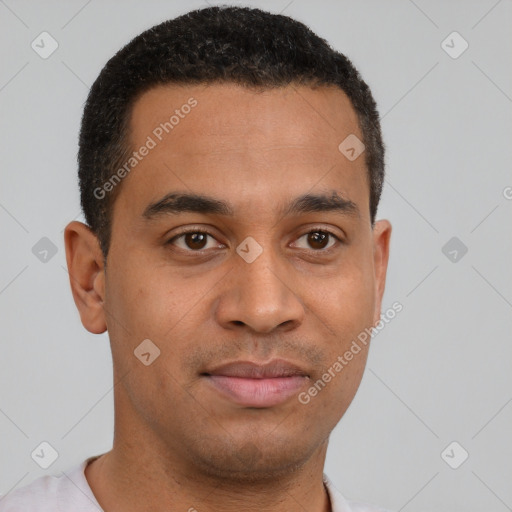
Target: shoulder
(40,495)
(64,492)
(340,504)
(365,507)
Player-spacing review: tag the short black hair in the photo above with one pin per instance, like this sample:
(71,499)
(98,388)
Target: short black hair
(240,45)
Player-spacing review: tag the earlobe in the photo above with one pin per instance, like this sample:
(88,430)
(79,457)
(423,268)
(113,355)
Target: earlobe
(381,240)
(86,275)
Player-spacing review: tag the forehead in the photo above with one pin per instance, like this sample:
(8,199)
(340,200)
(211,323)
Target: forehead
(250,145)
(228,111)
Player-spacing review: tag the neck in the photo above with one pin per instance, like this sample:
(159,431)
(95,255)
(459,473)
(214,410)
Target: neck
(145,472)
(129,487)
(139,476)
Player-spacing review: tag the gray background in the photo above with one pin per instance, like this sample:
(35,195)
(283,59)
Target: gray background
(439,372)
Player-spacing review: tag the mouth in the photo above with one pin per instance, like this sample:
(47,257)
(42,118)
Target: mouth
(250,384)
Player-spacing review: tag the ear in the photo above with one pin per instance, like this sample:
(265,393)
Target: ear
(86,275)
(381,237)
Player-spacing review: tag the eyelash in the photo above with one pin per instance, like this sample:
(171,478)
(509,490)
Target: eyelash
(205,232)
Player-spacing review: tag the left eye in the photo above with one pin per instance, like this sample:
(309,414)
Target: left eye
(319,240)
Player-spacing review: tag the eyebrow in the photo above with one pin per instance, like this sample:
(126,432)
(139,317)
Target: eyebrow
(175,203)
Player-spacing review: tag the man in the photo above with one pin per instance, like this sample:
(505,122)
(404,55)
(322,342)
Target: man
(230,168)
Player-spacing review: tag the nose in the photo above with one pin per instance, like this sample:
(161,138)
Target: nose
(260,296)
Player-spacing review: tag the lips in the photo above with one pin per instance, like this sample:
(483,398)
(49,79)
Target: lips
(250,384)
(247,369)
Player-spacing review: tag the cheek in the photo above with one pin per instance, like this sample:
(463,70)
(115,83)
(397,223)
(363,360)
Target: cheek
(153,302)
(148,300)
(345,302)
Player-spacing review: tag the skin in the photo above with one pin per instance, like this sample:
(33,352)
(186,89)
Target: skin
(178,443)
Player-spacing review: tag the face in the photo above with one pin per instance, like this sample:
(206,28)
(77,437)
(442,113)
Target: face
(241,247)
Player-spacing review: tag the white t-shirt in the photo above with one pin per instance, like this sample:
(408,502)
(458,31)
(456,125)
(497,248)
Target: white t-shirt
(70,492)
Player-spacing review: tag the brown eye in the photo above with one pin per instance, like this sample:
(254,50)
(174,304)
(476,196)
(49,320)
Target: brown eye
(195,240)
(318,240)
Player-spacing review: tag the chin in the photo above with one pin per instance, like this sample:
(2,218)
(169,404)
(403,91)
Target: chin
(257,460)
